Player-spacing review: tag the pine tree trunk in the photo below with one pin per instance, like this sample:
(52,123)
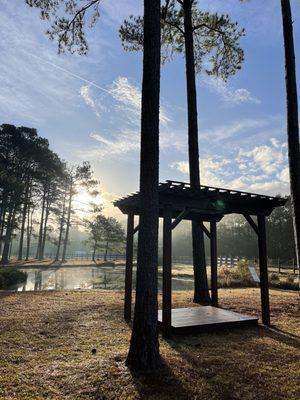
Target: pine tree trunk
(61,228)
(47,211)
(41,226)
(29,230)
(201,293)
(8,235)
(5,252)
(68,223)
(2,224)
(106,250)
(94,251)
(144,346)
(292,121)
(24,214)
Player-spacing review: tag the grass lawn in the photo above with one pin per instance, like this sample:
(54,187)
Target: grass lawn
(72,345)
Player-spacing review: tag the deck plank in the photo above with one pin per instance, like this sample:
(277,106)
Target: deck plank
(206,318)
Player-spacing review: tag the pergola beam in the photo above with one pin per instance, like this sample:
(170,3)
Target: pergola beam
(251,223)
(136,229)
(180,217)
(205,230)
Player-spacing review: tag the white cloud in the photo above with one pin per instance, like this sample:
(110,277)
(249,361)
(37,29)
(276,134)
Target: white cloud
(107,199)
(125,142)
(275,143)
(85,94)
(228,94)
(235,129)
(129,98)
(211,170)
(284,175)
(268,159)
(261,169)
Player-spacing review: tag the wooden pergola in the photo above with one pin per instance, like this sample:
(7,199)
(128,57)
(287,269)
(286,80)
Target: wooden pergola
(179,201)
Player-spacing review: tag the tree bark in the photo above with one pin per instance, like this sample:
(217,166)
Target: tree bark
(292,121)
(47,212)
(8,236)
(68,223)
(24,215)
(61,228)
(201,293)
(144,346)
(29,230)
(41,226)
(94,251)
(2,224)
(106,250)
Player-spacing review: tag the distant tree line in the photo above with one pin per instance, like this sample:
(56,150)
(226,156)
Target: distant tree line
(37,192)
(236,237)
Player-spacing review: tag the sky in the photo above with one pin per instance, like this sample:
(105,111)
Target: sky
(88,107)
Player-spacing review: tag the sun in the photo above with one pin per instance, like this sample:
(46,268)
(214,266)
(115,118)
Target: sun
(83,200)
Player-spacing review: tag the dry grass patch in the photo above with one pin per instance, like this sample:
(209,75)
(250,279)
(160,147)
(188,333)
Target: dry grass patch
(72,345)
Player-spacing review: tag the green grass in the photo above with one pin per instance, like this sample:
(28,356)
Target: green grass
(47,341)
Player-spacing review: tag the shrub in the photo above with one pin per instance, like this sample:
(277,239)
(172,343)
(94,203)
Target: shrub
(274,277)
(10,276)
(238,276)
(290,278)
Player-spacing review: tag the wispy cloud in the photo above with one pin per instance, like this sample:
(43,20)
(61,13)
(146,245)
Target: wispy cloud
(120,135)
(245,131)
(228,94)
(85,94)
(129,98)
(125,142)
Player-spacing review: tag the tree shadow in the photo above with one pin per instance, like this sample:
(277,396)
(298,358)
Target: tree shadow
(234,358)
(161,384)
(282,336)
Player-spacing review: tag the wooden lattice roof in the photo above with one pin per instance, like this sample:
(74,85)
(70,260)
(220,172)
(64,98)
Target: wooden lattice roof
(205,203)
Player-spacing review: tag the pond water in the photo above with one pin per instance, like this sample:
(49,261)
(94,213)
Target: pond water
(67,278)
(86,277)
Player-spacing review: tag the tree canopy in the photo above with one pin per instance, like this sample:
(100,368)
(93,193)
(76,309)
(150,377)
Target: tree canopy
(216,38)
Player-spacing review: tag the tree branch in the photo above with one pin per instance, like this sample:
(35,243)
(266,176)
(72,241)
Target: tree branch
(80,11)
(221,33)
(174,26)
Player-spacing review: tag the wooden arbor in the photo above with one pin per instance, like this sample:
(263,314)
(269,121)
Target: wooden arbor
(177,202)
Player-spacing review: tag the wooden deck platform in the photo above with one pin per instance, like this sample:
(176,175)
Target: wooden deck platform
(206,319)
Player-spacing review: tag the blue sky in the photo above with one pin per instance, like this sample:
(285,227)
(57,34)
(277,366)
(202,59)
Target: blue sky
(88,107)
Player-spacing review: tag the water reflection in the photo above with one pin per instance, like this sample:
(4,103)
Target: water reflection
(89,277)
(73,278)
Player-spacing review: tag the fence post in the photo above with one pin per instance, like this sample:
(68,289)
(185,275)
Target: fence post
(294,266)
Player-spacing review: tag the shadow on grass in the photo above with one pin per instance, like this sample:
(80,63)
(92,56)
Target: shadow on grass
(232,360)
(162,384)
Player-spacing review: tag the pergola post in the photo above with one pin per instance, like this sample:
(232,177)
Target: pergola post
(263,269)
(128,270)
(167,272)
(214,263)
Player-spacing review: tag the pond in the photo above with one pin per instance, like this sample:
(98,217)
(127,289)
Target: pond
(87,277)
